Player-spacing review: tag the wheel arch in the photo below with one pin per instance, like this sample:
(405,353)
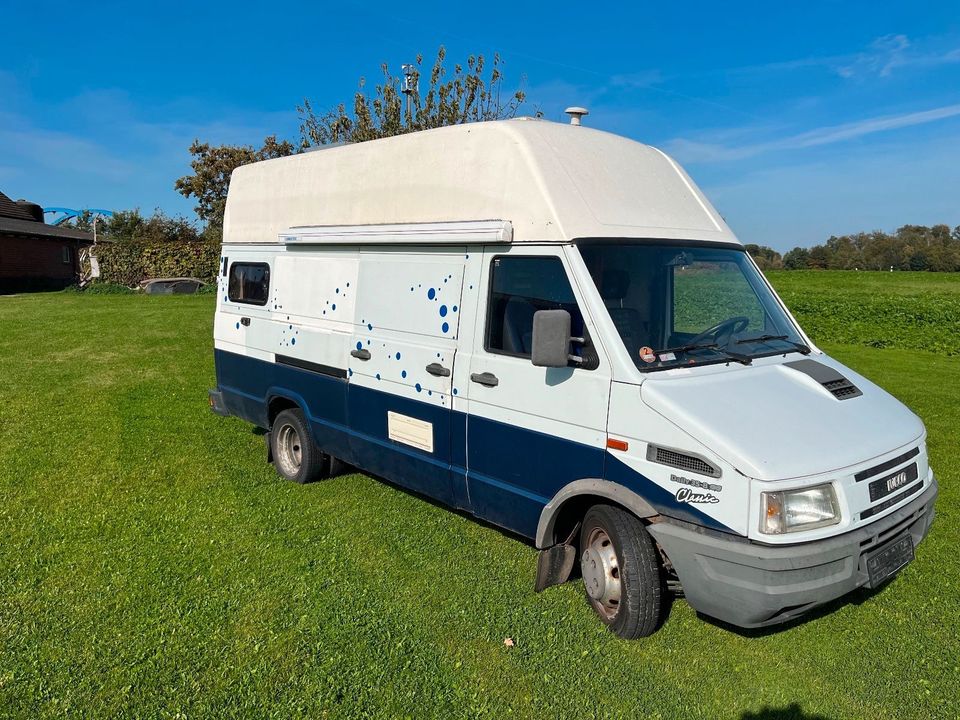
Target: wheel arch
(568,505)
(280,399)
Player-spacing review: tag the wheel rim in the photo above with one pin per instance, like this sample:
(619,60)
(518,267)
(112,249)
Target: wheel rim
(601,573)
(289,450)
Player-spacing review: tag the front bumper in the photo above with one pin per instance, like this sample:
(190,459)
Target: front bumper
(751,585)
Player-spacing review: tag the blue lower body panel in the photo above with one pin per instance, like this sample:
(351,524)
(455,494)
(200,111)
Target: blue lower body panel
(507,479)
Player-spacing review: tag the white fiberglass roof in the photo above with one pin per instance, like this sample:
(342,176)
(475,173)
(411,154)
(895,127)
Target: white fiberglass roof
(550,181)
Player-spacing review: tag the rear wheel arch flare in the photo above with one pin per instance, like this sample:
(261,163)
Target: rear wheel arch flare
(571,503)
(278,403)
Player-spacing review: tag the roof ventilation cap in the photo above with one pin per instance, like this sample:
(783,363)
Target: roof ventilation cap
(576,113)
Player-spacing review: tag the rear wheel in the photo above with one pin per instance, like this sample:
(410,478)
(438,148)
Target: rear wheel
(621,572)
(295,456)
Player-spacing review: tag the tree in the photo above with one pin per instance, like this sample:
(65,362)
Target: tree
(467,96)
(212,167)
(796,259)
(766,257)
(130,226)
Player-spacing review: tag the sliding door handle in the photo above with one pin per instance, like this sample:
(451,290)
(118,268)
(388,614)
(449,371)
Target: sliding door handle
(361,354)
(486,378)
(245,321)
(438,370)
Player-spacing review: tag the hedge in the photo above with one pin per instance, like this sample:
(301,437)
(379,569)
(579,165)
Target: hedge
(130,263)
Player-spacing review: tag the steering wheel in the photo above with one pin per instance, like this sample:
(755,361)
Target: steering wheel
(737,324)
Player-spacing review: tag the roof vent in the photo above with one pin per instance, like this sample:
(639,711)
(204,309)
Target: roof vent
(835,383)
(576,113)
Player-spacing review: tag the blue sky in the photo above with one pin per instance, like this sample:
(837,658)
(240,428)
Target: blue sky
(799,120)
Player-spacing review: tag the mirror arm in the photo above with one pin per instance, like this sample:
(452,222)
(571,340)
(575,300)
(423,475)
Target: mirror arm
(579,340)
(575,359)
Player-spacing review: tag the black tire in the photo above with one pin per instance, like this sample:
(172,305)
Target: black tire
(641,597)
(295,456)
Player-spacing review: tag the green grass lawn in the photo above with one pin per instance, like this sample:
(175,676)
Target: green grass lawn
(153,565)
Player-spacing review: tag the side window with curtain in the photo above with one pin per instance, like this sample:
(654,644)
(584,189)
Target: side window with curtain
(249,283)
(519,287)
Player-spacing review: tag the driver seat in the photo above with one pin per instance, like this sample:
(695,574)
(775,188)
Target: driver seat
(628,321)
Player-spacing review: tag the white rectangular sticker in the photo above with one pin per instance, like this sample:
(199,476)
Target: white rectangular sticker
(410,431)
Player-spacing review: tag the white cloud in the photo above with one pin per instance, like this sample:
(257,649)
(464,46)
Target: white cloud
(694,151)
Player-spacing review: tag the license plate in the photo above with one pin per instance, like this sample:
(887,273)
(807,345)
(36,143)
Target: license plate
(884,563)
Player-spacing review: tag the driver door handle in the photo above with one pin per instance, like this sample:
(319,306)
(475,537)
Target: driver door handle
(361,354)
(486,378)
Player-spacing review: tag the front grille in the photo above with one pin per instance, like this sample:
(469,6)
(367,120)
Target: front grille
(877,469)
(681,460)
(889,483)
(870,512)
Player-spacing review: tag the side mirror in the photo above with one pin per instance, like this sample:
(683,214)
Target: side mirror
(551,338)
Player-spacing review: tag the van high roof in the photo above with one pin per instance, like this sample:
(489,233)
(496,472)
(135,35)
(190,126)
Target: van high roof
(552,182)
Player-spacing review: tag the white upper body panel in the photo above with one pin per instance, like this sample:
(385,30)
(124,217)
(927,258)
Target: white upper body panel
(551,182)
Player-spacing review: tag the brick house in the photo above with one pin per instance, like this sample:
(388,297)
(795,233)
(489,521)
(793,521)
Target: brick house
(34,255)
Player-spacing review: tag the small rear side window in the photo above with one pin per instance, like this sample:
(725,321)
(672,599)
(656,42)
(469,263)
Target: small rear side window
(249,283)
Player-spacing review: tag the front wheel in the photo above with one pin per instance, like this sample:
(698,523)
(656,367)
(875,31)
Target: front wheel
(295,456)
(621,572)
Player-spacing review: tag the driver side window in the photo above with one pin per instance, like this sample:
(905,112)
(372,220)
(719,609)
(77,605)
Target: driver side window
(705,294)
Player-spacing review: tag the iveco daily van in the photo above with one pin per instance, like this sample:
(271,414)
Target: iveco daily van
(551,328)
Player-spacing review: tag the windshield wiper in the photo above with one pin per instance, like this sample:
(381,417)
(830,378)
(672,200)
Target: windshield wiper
(744,359)
(800,347)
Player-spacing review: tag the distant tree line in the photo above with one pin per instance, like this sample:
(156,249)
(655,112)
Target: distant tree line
(911,247)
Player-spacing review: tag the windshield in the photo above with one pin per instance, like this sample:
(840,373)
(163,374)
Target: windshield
(675,305)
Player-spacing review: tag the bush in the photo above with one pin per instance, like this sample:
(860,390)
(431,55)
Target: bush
(130,263)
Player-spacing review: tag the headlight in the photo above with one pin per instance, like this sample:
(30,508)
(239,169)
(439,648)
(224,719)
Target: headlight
(795,510)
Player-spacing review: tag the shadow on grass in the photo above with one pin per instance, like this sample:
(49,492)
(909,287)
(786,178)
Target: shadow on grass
(793,711)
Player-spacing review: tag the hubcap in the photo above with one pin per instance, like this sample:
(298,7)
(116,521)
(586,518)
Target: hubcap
(289,450)
(601,573)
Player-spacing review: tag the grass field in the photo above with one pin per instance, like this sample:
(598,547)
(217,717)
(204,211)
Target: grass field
(152,564)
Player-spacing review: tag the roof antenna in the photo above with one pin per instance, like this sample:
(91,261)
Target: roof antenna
(576,113)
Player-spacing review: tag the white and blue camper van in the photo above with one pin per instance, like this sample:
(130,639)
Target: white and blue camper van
(551,328)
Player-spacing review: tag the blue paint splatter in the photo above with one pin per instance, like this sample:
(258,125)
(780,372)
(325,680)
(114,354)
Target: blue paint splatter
(431,293)
(338,291)
(398,356)
(403,373)
(348,284)
(418,387)
(293,341)
(445,279)
(369,326)
(291,327)
(378,376)
(454,391)
(333,307)
(443,311)
(438,354)
(349,371)
(359,344)
(429,392)
(411,288)
(454,308)
(445,327)
(238,326)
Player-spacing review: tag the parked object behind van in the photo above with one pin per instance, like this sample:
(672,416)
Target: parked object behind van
(551,328)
